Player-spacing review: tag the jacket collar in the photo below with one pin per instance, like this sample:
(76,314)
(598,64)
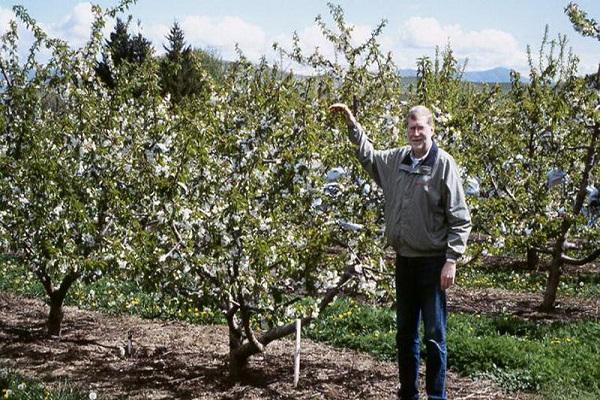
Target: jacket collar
(429,161)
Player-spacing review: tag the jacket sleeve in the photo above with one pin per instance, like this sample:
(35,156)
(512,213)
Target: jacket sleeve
(370,158)
(457,213)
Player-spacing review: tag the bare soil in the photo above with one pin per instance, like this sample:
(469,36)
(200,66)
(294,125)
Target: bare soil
(175,360)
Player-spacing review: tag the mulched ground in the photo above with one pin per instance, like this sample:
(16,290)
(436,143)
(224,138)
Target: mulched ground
(183,361)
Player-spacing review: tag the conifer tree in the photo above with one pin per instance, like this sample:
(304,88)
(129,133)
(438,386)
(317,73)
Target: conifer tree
(181,72)
(122,48)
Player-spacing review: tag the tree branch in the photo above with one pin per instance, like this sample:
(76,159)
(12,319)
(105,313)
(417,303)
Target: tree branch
(8,81)
(588,165)
(570,260)
(543,250)
(580,261)
(505,189)
(44,278)
(280,331)
(233,328)
(66,283)
(248,330)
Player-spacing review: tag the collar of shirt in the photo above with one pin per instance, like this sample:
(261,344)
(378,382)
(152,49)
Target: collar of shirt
(414,161)
(429,160)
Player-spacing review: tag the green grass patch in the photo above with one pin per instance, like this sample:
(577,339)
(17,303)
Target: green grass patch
(14,386)
(112,296)
(126,297)
(585,285)
(17,279)
(517,354)
(349,324)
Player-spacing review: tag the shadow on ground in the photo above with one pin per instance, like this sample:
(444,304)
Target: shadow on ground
(174,360)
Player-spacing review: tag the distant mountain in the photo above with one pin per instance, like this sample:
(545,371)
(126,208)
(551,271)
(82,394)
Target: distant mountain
(500,75)
(495,75)
(407,73)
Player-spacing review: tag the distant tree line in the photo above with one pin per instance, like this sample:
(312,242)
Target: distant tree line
(182,68)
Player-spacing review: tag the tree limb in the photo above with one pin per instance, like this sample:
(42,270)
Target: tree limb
(280,331)
(580,261)
(8,81)
(248,330)
(233,328)
(44,278)
(505,189)
(66,283)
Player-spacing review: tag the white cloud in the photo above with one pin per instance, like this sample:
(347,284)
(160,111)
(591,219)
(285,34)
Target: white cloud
(75,27)
(26,38)
(157,34)
(311,38)
(418,36)
(200,31)
(6,16)
(588,63)
(223,34)
(486,48)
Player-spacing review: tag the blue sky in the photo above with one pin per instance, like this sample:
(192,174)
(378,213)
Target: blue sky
(487,33)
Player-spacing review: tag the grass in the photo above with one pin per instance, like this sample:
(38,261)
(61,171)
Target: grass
(112,296)
(14,386)
(584,285)
(560,361)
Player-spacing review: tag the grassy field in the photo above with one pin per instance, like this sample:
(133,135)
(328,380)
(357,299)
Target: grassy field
(584,284)
(557,360)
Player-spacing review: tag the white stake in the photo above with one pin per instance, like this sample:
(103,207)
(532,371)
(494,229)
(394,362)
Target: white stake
(129,344)
(297,354)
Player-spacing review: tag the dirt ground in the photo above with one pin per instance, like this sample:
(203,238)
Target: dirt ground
(175,360)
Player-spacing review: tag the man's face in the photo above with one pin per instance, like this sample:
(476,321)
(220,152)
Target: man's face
(419,135)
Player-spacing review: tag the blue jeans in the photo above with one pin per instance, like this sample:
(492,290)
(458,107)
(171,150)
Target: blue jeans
(418,295)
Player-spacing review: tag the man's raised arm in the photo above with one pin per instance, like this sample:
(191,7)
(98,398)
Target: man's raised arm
(367,155)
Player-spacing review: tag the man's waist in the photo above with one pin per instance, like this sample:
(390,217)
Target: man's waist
(420,256)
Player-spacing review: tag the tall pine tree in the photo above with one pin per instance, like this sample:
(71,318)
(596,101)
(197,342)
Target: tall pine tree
(181,74)
(122,47)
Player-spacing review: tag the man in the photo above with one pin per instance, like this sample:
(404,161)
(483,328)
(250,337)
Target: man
(427,223)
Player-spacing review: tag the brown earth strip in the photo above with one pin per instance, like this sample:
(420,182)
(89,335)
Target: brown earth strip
(183,361)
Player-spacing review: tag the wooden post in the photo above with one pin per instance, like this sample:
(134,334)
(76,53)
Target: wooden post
(129,344)
(297,353)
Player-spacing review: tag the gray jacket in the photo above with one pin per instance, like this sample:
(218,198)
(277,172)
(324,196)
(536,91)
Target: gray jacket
(425,209)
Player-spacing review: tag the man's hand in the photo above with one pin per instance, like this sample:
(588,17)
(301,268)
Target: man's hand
(448,274)
(345,111)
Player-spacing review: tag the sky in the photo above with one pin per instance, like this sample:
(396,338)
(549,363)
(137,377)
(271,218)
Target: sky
(487,33)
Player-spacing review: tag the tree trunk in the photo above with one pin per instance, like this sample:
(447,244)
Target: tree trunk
(532,259)
(237,365)
(241,350)
(554,273)
(57,297)
(55,317)
(239,353)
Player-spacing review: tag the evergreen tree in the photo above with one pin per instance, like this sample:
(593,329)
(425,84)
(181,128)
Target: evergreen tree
(181,74)
(122,47)
(176,43)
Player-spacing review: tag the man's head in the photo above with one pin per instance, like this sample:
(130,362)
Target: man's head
(419,122)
